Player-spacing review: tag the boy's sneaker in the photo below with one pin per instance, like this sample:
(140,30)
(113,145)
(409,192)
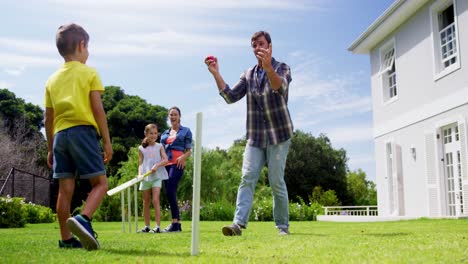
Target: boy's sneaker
(74,243)
(84,231)
(283,231)
(232,230)
(156,230)
(145,229)
(174,227)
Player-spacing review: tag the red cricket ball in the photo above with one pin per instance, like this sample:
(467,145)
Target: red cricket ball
(210,57)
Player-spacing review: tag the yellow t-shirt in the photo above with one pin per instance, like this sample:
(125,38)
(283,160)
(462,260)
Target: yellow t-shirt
(68,93)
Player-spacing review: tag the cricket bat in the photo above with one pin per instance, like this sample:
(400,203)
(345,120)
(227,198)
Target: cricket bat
(127,184)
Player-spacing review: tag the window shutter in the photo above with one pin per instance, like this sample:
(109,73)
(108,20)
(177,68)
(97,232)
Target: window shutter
(430,153)
(464,164)
(463,150)
(399,195)
(392,183)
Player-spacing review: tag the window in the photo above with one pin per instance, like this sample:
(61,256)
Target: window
(448,37)
(388,72)
(445,37)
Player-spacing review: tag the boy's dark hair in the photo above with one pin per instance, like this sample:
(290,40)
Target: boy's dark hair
(258,34)
(68,37)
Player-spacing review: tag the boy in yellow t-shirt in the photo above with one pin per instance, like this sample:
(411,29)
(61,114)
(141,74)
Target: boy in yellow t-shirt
(74,120)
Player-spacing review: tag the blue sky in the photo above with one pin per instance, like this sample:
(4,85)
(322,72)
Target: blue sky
(155,49)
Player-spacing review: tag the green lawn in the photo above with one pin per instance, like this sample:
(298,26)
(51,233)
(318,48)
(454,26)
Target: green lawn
(417,241)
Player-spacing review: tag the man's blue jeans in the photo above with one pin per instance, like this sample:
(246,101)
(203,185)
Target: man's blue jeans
(254,160)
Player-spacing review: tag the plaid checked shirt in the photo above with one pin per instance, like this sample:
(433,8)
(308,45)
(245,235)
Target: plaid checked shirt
(268,118)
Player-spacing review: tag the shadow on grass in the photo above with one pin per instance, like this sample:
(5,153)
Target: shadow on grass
(149,253)
(308,234)
(392,234)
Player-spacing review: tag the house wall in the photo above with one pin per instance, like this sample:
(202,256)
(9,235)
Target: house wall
(420,97)
(415,185)
(414,66)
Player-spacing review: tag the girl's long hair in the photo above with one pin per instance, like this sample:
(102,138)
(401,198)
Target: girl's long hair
(148,127)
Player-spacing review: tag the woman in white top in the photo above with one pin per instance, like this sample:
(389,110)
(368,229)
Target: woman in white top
(152,157)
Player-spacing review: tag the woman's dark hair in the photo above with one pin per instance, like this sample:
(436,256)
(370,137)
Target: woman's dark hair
(148,127)
(175,108)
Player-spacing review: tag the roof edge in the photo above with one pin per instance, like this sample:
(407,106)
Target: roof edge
(392,18)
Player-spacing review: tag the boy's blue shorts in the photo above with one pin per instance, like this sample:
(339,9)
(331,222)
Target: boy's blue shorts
(77,153)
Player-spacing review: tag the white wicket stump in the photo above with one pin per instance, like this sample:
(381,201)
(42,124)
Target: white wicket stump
(196,187)
(128,219)
(196,192)
(126,186)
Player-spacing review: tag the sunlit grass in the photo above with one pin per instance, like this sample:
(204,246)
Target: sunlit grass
(417,241)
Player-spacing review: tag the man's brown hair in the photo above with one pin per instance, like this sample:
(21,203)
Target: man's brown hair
(68,37)
(258,34)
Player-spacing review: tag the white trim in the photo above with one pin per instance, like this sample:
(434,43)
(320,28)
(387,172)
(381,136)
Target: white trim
(447,121)
(392,18)
(435,8)
(426,111)
(391,100)
(343,218)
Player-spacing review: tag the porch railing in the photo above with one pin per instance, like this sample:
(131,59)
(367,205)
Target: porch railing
(364,210)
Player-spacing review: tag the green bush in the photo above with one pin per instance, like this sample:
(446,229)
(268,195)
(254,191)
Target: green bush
(219,211)
(38,213)
(12,212)
(110,208)
(263,205)
(300,211)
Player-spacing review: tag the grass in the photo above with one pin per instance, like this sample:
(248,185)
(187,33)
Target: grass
(415,241)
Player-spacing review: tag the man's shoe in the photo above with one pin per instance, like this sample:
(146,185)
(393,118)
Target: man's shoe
(144,230)
(232,230)
(283,231)
(84,231)
(173,227)
(74,243)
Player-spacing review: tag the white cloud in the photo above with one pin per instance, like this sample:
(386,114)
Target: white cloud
(358,161)
(166,43)
(15,71)
(5,84)
(222,123)
(324,95)
(351,134)
(28,46)
(24,61)
(181,4)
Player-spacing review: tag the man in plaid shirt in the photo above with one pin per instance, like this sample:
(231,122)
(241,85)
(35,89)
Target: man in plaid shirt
(269,130)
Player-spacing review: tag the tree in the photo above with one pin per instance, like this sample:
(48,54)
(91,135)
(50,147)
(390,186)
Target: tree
(23,145)
(327,198)
(14,110)
(127,117)
(361,191)
(313,162)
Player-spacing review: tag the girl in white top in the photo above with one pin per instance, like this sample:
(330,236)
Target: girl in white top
(152,157)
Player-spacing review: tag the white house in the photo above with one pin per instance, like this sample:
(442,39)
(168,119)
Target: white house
(419,79)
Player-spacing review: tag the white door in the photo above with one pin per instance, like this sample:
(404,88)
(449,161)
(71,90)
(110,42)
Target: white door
(452,170)
(394,179)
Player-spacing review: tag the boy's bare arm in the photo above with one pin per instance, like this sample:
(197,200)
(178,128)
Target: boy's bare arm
(101,120)
(49,129)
